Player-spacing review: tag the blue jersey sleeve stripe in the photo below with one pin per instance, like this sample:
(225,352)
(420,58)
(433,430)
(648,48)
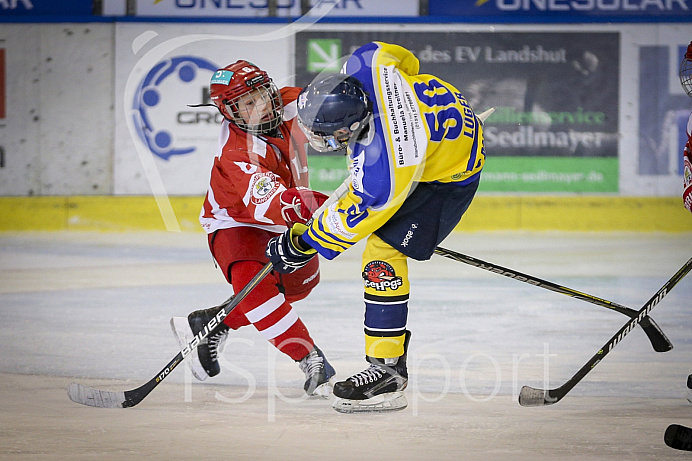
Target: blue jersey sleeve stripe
(313,240)
(326,239)
(337,241)
(379,182)
(474,149)
(378,177)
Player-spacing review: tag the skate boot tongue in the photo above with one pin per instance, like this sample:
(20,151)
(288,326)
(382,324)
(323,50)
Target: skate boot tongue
(378,388)
(318,373)
(203,361)
(367,376)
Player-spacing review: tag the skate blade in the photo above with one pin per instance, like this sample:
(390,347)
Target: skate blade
(324,390)
(183,333)
(393,401)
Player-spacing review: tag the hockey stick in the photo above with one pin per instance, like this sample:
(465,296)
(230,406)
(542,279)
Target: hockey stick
(85,395)
(107,399)
(532,397)
(658,339)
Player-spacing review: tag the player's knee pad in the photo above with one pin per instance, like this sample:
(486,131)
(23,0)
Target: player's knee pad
(385,278)
(385,270)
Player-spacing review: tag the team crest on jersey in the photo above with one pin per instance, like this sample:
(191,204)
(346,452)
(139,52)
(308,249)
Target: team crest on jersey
(263,187)
(380,276)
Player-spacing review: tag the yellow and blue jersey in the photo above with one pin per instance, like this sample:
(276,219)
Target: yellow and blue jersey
(422,130)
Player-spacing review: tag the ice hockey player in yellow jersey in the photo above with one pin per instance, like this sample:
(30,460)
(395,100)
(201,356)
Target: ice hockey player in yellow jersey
(415,153)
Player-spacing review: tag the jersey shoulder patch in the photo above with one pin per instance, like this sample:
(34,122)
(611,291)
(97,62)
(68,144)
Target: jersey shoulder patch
(263,186)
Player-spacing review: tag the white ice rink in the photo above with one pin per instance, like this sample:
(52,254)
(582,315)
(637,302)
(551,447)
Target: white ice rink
(94,308)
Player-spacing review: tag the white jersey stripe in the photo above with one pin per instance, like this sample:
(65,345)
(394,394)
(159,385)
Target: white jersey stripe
(266,308)
(281,326)
(258,147)
(290,110)
(223,137)
(221,220)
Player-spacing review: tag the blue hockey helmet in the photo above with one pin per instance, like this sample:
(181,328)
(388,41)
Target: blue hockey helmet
(332,109)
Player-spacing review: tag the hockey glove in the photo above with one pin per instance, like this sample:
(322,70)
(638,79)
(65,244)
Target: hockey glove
(284,254)
(298,204)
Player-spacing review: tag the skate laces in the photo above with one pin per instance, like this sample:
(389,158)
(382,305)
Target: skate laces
(312,363)
(369,375)
(215,344)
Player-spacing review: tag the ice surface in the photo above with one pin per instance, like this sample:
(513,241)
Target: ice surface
(94,308)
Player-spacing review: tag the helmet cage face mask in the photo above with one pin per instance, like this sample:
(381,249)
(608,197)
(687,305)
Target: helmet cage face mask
(686,76)
(336,141)
(332,111)
(244,81)
(258,111)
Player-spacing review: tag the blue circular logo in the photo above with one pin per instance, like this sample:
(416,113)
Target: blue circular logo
(150,96)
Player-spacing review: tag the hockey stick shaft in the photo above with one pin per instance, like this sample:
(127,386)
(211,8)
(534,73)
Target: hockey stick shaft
(529,396)
(658,339)
(134,397)
(93,397)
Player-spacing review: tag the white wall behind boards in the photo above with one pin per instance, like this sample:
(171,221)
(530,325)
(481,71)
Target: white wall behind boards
(57,133)
(172,64)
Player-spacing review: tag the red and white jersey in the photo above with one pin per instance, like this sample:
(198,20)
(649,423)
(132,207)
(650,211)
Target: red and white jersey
(251,171)
(687,167)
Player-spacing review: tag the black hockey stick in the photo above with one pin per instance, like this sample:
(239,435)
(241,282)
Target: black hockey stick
(108,399)
(532,397)
(658,339)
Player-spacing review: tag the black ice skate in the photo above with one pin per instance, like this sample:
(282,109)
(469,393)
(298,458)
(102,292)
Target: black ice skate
(318,373)
(378,388)
(203,361)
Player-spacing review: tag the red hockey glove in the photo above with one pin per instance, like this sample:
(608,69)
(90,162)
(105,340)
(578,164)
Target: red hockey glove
(298,204)
(687,175)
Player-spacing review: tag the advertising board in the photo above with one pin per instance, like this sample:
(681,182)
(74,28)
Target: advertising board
(522,11)
(45,8)
(280,8)
(162,145)
(555,128)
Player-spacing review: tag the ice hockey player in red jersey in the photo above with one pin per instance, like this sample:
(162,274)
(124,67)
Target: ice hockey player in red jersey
(686,81)
(257,190)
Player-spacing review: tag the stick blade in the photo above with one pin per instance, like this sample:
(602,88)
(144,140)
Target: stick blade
(659,340)
(678,437)
(486,114)
(532,397)
(85,395)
